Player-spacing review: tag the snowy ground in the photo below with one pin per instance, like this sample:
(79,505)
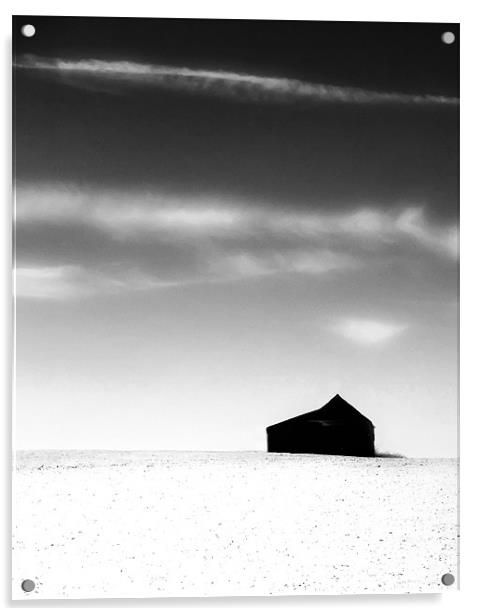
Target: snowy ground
(150,524)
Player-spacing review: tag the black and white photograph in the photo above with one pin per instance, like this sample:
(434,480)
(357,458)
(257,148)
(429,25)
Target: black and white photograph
(236,300)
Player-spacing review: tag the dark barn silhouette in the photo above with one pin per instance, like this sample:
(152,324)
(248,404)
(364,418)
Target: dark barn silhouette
(336,428)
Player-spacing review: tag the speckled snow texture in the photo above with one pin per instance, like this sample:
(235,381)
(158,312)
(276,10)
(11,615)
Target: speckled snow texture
(149,524)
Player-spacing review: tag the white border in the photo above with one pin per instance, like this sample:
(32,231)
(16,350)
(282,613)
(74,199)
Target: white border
(463,11)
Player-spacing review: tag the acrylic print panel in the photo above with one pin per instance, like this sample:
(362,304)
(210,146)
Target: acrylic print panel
(236,297)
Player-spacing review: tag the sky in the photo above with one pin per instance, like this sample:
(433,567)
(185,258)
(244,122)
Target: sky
(222,224)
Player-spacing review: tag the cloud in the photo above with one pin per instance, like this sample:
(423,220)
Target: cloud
(126,213)
(248,265)
(99,74)
(78,243)
(412,223)
(367,331)
(144,214)
(65,282)
(45,282)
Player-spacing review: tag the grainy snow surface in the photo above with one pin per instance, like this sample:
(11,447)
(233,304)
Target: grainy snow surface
(148,524)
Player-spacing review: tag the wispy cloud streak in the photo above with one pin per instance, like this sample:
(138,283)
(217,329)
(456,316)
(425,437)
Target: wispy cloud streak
(97,74)
(266,263)
(207,218)
(158,240)
(69,282)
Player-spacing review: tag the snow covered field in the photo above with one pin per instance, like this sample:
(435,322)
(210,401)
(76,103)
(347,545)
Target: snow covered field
(149,524)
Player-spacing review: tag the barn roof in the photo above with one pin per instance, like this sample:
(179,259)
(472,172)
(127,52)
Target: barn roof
(337,410)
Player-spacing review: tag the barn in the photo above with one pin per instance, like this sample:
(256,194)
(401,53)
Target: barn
(337,428)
